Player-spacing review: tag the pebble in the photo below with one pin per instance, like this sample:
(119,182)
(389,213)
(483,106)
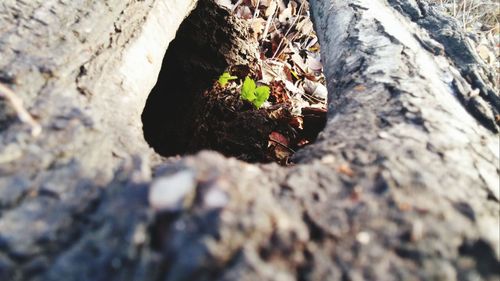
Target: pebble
(363,238)
(171,193)
(216,198)
(328,159)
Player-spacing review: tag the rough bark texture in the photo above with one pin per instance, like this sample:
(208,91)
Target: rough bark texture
(401,185)
(84,69)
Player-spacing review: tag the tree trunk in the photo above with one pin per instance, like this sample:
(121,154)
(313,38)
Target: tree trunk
(402,184)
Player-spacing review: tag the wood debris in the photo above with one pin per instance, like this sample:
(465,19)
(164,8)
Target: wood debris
(22,113)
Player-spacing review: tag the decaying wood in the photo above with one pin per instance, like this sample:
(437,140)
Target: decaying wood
(205,46)
(401,185)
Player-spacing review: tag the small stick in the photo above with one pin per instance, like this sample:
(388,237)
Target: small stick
(282,145)
(256,12)
(236,5)
(277,52)
(22,113)
(270,19)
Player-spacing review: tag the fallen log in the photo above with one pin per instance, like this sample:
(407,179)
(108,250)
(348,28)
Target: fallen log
(402,184)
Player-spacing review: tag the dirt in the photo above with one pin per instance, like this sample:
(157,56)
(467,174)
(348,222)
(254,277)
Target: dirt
(226,123)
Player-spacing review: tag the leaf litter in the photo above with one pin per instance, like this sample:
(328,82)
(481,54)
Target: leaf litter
(294,111)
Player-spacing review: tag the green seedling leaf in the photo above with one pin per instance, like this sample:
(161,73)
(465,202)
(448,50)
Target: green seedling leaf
(248,89)
(261,95)
(225,78)
(256,95)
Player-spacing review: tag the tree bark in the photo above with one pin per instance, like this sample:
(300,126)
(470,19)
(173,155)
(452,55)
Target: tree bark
(401,185)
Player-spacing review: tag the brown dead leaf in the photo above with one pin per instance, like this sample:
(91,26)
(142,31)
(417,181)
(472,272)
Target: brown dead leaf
(279,145)
(279,138)
(297,122)
(316,111)
(278,93)
(282,153)
(278,114)
(288,73)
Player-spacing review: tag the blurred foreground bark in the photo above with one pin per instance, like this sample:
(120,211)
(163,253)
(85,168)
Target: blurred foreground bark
(401,185)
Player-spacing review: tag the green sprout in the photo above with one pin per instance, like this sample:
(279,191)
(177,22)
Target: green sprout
(249,91)
(256,95)
(225,78)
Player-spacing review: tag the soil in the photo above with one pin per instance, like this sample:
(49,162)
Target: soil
(226,123)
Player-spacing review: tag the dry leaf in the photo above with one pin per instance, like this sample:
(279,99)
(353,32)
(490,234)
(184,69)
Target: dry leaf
(311,43)
(278,93)
(258,25)
(225,3)
(314,63)
(278,114)
(315,89)
(299,62)
(485,53)
(281,4)
(286,15)
(266,3)
(297,122)
(282,153)
(271,9)
(305,26)
(279,138)
(292,88)
(244,12)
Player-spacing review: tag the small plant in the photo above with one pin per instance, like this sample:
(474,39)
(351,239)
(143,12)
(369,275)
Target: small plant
(249,91)
(225,78)
(256,95)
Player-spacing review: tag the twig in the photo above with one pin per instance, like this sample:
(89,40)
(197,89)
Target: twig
(270,19)
(236,5)
(314,99)
(269,67)
(282,145)
(255,13)
(277,52)
(22,113)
